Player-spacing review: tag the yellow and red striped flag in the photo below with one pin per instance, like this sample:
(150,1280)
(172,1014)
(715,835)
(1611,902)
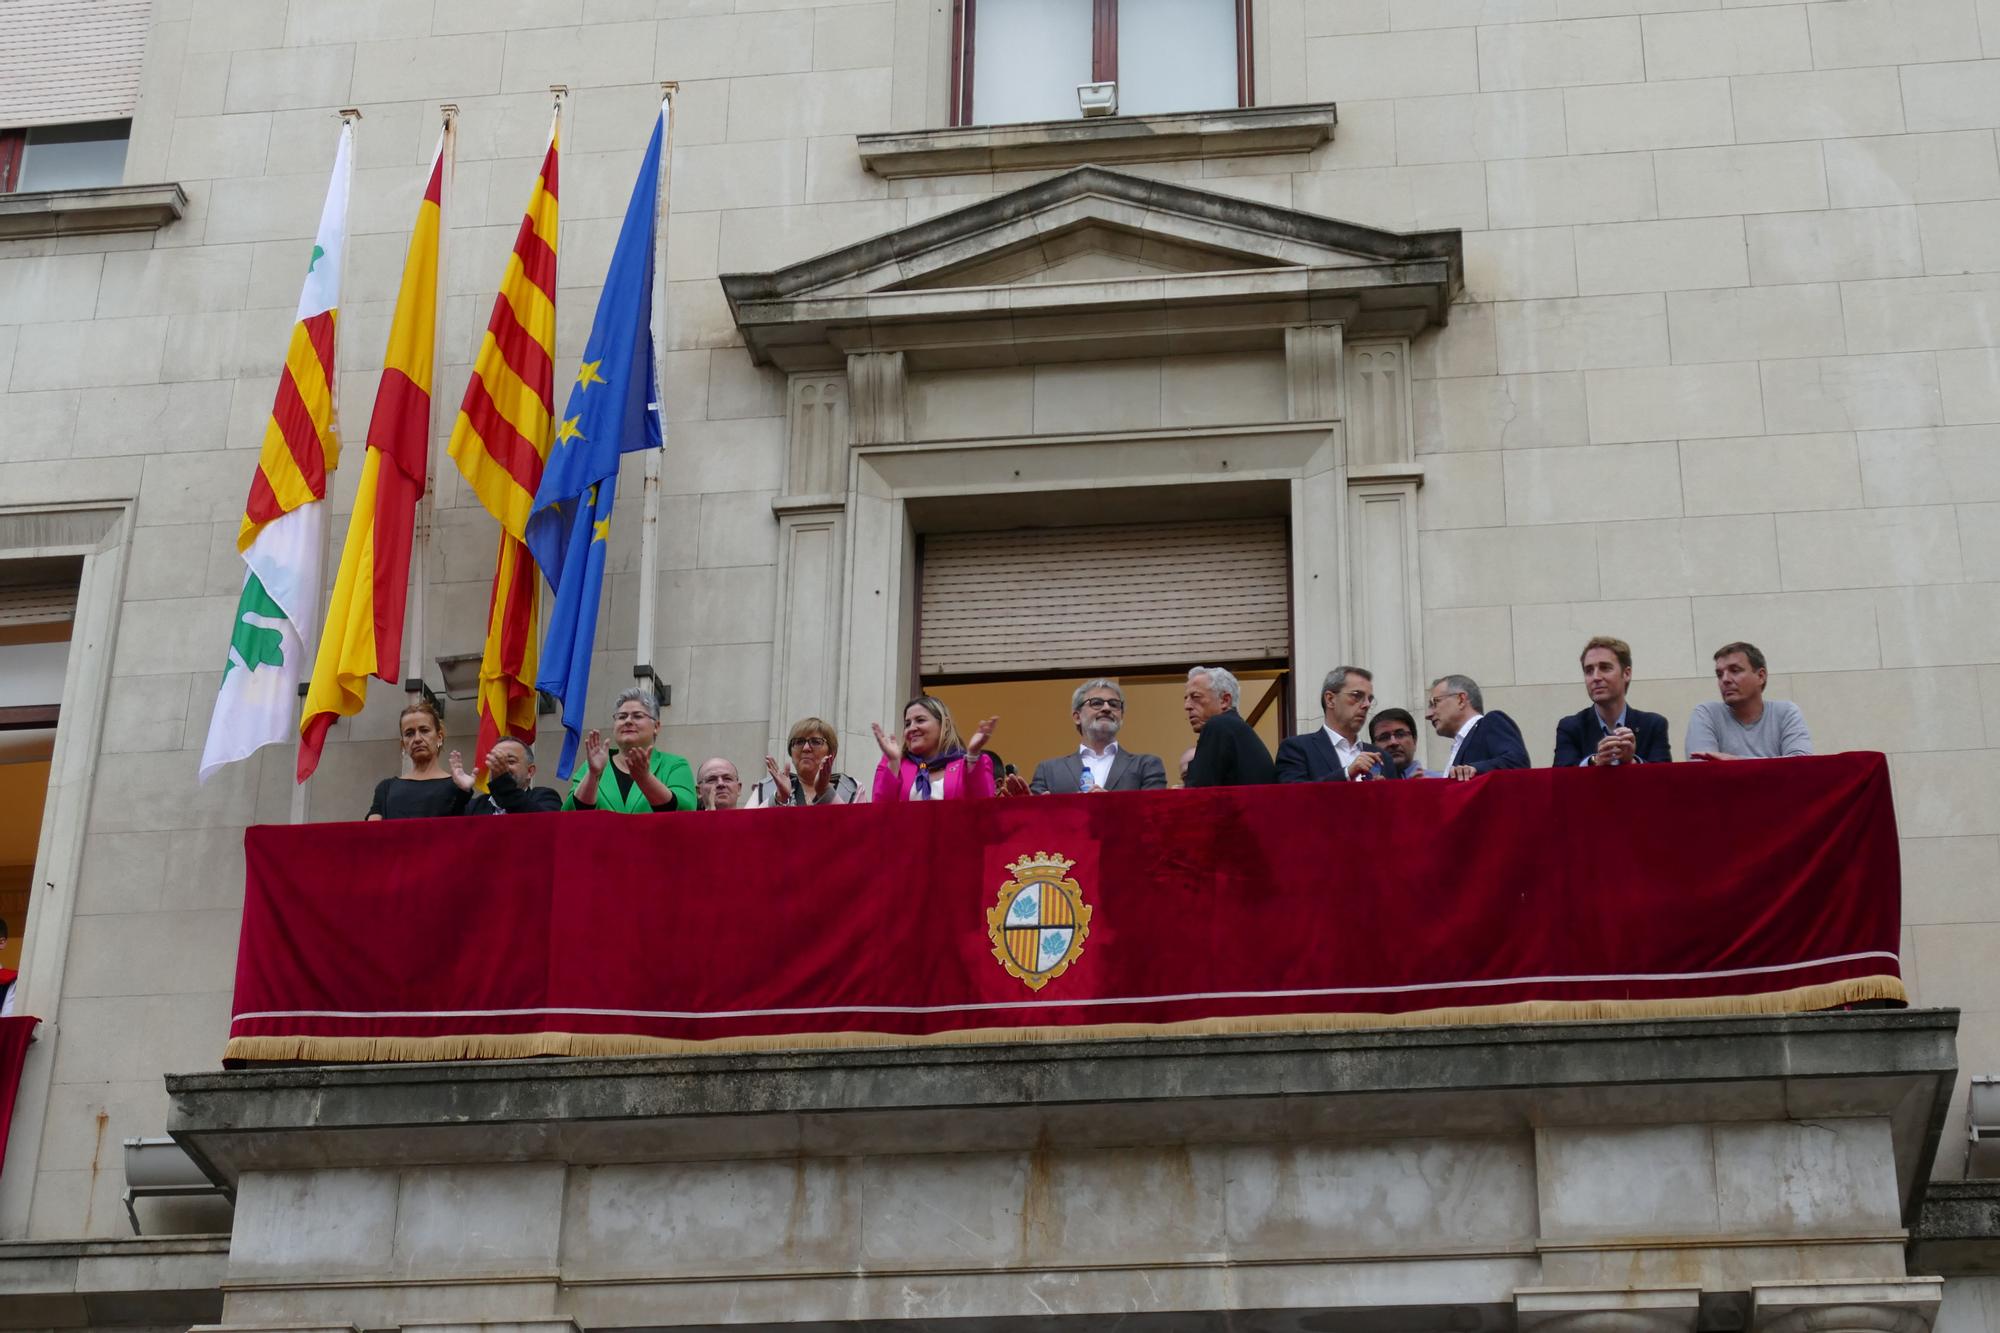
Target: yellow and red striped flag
(364,619)
(500,442)
(279,537)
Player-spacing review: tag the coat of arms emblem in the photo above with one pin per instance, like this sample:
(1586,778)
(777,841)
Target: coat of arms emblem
(1040,922)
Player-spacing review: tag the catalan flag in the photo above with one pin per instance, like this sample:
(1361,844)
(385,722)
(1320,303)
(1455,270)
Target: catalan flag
(364,621)
(280,535)
(500,443)
(613,410)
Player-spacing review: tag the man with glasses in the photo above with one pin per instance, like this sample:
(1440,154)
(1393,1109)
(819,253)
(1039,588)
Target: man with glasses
(1097,708)
(1334,751)
(1481,742)
(1394,732)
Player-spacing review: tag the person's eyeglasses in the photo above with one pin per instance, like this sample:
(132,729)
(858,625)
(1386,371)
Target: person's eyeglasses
(1399,734)
(631,717)
(1115,705)
(809,743)
(1358,697)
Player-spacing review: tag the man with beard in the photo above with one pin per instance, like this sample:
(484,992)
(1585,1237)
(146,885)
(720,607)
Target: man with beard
(1098,710)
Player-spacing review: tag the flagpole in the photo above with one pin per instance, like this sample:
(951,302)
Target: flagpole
(301,791)
(649,513)
(415,623)
(559,91)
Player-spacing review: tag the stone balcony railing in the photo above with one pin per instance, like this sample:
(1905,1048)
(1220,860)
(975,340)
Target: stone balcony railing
(1755,1173)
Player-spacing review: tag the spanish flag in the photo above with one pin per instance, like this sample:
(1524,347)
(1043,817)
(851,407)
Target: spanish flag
(364,621)
(500,442)
(279,537)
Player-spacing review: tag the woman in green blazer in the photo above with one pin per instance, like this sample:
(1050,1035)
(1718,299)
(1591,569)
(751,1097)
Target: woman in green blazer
(631,778)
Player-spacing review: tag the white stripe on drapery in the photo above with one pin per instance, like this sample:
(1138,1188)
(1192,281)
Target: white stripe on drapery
(1096,1002)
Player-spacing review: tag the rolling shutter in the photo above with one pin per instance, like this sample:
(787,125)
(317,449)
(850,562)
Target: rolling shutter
(38,604)
(65,61)
(1109,598)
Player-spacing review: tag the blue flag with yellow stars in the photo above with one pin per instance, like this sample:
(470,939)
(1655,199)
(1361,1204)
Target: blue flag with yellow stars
(612,410)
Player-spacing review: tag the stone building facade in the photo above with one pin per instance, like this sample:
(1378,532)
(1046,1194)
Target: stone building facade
(1530,319)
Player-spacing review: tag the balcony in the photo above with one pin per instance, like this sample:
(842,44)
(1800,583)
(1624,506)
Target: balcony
(1761,887)
(835,1091)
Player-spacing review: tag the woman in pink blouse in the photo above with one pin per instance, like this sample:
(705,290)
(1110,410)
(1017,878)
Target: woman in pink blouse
(930,763)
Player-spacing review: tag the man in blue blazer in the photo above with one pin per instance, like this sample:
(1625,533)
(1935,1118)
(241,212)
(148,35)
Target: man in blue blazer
(1481,742)
(1334,751)
(1609,733)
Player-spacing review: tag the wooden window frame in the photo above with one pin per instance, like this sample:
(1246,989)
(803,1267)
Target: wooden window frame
(1103,53)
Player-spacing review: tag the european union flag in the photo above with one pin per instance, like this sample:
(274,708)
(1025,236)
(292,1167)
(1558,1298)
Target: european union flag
(606,416)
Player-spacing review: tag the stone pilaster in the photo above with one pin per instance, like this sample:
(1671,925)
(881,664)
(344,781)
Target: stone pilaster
(875,392)
(816,436)
(1378,404)
(1312,372)
(812,552)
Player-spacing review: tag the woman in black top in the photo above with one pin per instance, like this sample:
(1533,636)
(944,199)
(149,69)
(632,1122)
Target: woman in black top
(428,790)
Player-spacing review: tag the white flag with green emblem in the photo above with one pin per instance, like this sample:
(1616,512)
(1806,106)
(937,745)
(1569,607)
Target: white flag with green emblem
(280,535)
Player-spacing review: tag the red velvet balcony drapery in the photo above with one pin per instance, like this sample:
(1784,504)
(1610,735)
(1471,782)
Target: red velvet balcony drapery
(15,1034)
(1692,889)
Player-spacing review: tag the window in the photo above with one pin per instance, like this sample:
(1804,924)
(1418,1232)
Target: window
(1021,60)
(64,157)
(37,610)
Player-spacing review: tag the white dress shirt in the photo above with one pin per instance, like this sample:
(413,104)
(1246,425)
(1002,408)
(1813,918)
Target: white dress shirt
(1099,765)
(1343,749)
(1464,730)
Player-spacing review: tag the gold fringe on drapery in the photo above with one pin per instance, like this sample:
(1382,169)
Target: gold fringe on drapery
(521,1045)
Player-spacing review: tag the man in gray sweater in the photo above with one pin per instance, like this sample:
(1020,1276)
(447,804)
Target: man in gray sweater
(1745,725)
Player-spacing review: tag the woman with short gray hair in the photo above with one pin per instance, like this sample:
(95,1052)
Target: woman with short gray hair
(642,779)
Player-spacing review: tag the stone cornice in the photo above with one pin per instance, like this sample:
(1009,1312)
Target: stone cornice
(149,1281)
(1898,1065)
(1222,273)
(105,208)
(1958,1231)
(1245,132)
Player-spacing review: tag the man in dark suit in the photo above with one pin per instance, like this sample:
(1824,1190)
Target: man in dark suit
(1481,742)
(1608,733)
(1098,764)
(1334,751)
(1227,752)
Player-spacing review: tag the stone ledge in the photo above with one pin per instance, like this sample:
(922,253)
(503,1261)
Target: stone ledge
(147,1281)
(106,208)
(1957,1233)
(1244,132)
(1897,1065)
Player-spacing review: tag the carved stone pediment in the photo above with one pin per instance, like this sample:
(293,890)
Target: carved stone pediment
(1095,264)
